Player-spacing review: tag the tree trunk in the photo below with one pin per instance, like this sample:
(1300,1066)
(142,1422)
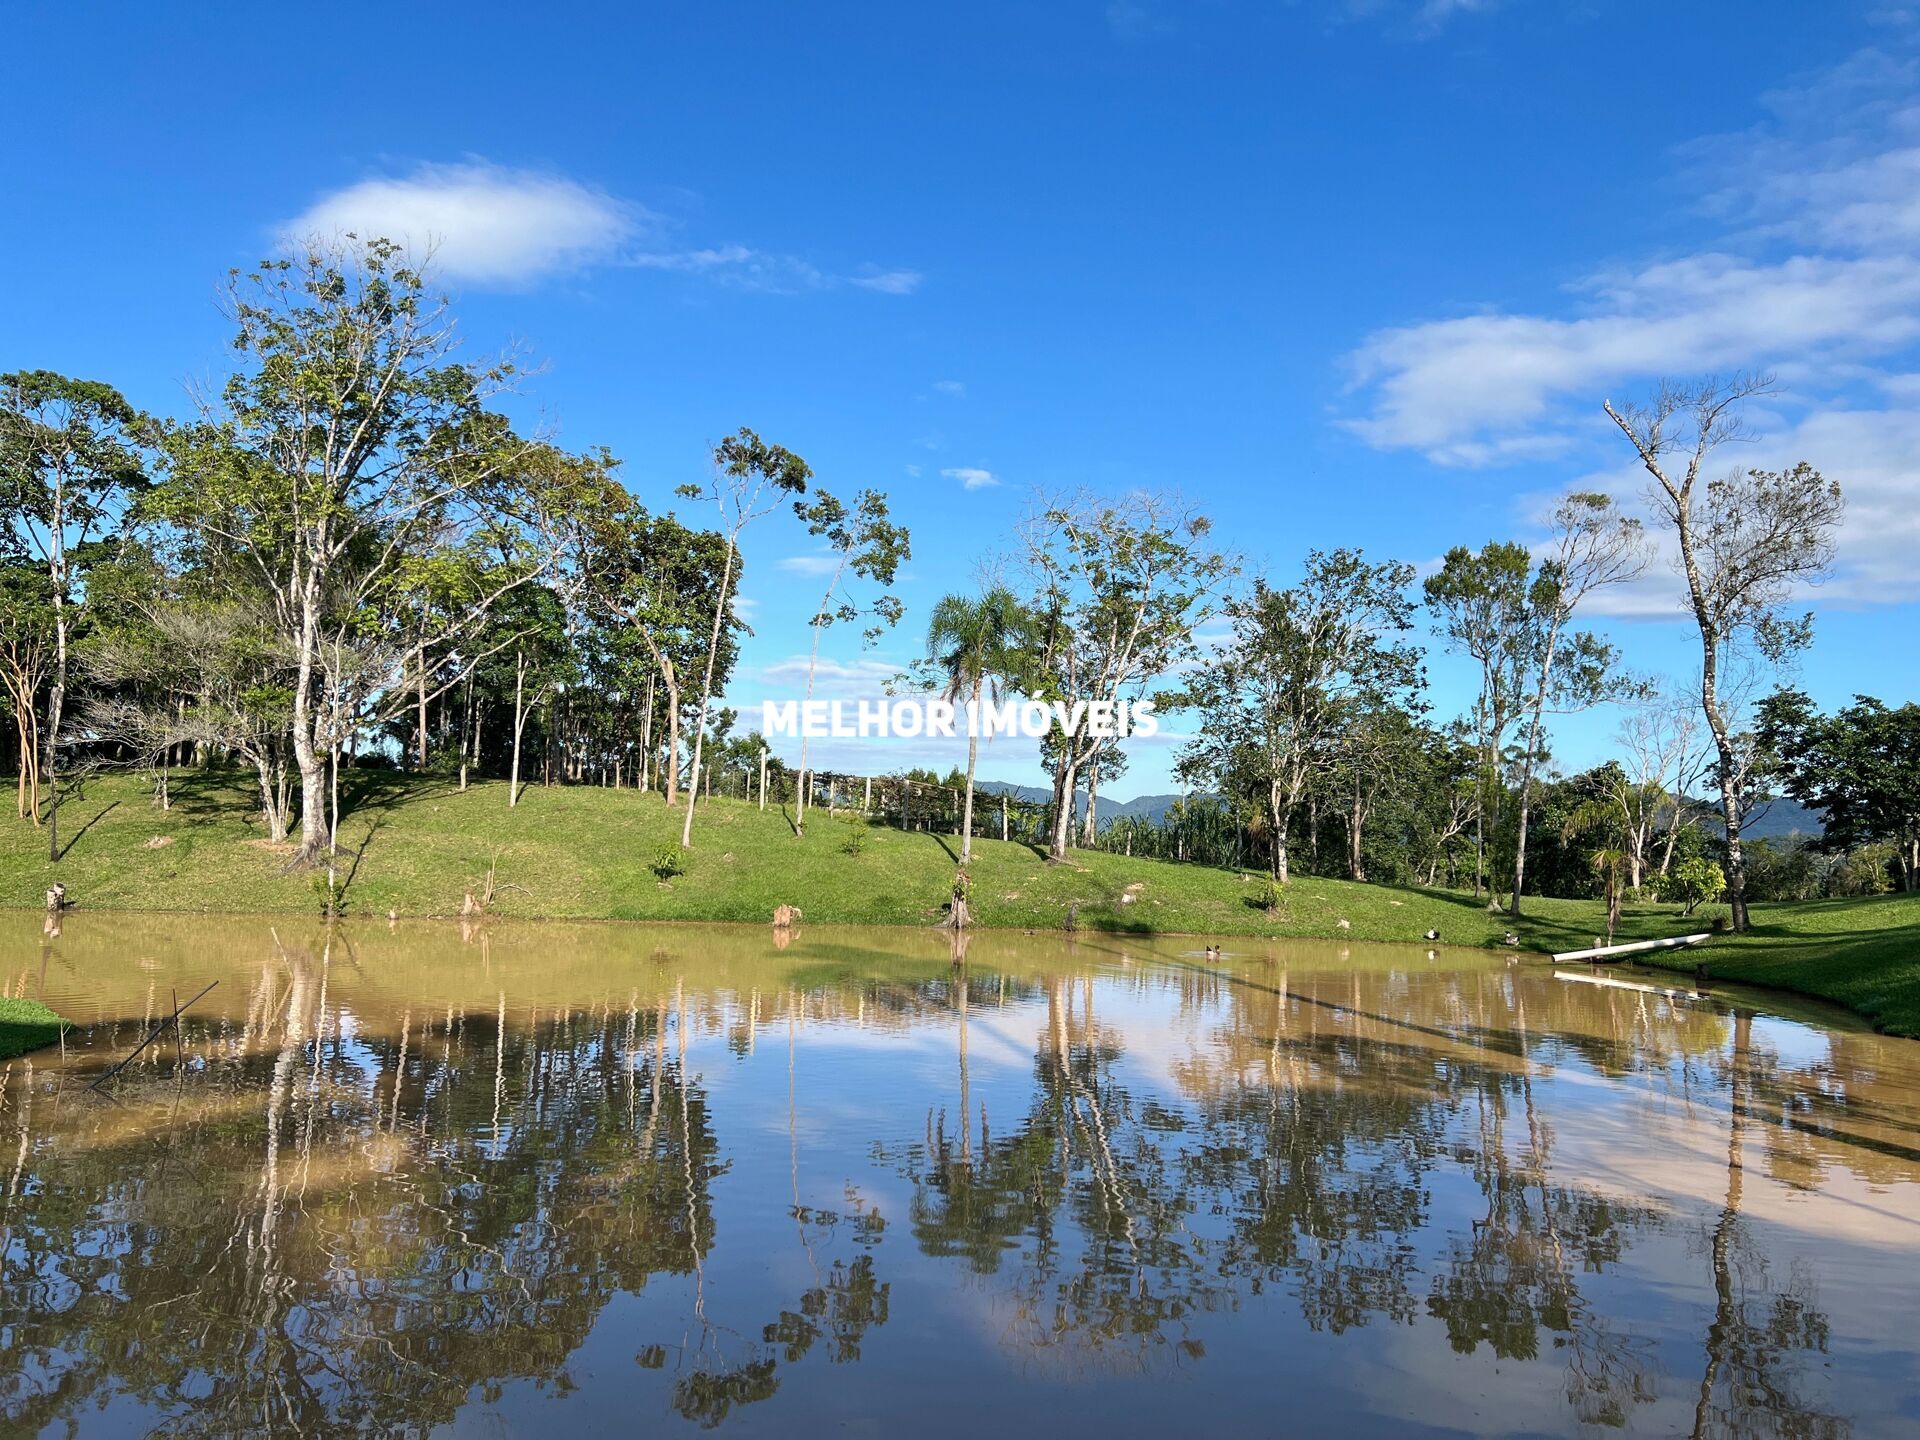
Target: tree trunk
(420,691)
(966,819)
(1065,773)
(519,724)
(57,693)
(706,694)
(1280,816)
(1356,821)
(306,754)
(1527,762)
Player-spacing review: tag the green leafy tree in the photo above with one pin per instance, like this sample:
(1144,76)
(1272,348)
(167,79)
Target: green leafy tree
(750,478)
(1300,667)
(1591,546)
(1859,767)
(349,442)
(862,543)
(1120,586)
(70,466)
(1482,607)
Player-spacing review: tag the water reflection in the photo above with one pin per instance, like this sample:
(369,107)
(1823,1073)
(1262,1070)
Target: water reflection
(392,1180)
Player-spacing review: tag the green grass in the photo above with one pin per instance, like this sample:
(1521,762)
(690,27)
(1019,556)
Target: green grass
(26,1025)
(416,847)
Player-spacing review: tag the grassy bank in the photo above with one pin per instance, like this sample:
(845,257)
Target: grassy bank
(26,1025)
(417,848)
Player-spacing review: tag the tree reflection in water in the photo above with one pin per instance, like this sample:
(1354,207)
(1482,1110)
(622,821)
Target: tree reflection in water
(345,1214)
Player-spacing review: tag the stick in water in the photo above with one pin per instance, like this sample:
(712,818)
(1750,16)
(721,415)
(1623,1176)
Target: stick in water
(173,1019)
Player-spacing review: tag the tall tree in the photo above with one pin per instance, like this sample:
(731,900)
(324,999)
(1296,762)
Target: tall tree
(349,442)
(1745,542)
(1120,586)
(1590,546)
(749,480)
(1300,666)
(1481,607)
(976,644)
(69,467)
(861,543)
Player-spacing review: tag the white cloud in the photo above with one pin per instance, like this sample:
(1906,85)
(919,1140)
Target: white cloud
(809,564)
(1490,388)
(490,225)
(955,388)
(971,477)
(483,223)
(1811,269)
(888,282)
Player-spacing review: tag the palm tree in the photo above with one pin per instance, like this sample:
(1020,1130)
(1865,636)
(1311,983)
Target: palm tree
(1614,817)
(975,646)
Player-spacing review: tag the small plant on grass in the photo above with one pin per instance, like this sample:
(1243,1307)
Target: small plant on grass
(331,894)
(1269,897)
(671,861)
(856,841)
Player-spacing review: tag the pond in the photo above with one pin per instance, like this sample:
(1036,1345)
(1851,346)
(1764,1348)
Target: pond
(523,1179)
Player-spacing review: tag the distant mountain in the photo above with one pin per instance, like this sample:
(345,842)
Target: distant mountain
(1146,807)
(1779,819)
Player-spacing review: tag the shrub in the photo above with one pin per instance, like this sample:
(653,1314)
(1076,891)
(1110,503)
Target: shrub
(671,861)
(1693,883)
(1269,897)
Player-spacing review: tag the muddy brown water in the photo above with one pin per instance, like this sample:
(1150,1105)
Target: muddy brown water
(538,1179)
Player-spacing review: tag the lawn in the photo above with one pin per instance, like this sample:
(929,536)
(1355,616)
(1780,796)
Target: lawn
(418,847)
(26,1025)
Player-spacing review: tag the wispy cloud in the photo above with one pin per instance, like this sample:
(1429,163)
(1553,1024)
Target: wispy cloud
(483,223)
(490,225)
(809,564)
(888,282)
(971,477)
(954,388)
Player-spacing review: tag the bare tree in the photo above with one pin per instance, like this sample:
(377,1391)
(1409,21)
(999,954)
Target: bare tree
(1745,543)
(1665,744)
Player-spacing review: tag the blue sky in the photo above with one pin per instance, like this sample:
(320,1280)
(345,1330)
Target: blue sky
(1343,271)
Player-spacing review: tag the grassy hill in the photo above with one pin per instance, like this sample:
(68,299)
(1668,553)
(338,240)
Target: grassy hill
(418,847)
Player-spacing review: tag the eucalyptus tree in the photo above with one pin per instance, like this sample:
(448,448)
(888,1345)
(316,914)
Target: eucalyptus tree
(976,644)
(1480,604)
(862,543)
(348,443)
(1299,666)
(661,581)
(1120,587)
(70,468)
(1591,545)
(748,481)
(1744,544)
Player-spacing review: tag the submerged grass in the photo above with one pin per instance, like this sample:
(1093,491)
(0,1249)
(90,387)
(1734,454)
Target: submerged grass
(417,847)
